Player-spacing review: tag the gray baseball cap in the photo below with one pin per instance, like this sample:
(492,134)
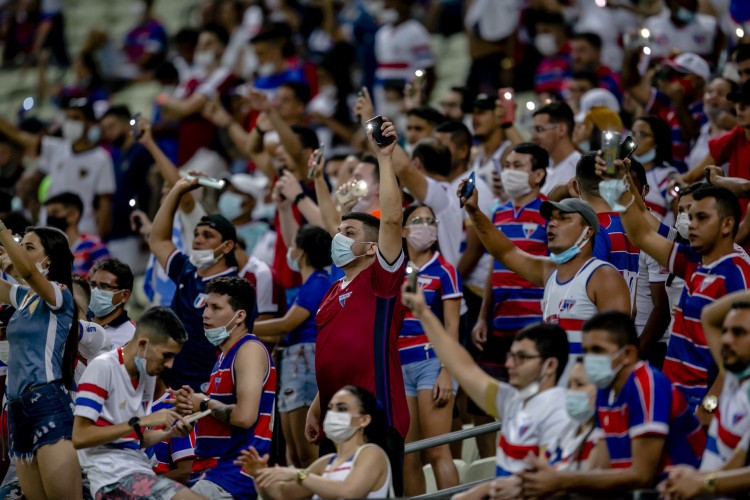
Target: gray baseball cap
(571,206)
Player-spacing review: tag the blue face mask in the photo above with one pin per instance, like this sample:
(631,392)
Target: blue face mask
(230,205)
(684,15)
(219,334)
(140,362)
(94,134)
(578,406)
(570,253)
(598,368)
(341,250)
(291,262)
(101,302)
(645,157)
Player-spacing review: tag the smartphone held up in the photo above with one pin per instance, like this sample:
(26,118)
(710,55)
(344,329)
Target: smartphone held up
(374,126)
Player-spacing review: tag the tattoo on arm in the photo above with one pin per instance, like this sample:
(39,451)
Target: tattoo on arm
(223,413)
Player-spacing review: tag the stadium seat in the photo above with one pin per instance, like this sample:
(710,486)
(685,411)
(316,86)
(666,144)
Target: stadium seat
(484,468)
(429,476)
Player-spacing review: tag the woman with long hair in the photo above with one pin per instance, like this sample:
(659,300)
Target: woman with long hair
(359,468)
(429,387)
(43,339)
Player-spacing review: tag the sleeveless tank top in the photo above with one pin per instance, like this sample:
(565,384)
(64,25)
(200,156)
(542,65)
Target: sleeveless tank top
(341,472)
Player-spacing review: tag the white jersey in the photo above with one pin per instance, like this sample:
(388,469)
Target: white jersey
(445,205)
(530,427)
(341,472)
(401,50)
(568,304)
(698,36)
(730,422)
(120,331)
(88,174)
(106,396)
(93,341)
(658,199)
(574,449)
(485,165)
(560,173)
(263,284)
(649,271)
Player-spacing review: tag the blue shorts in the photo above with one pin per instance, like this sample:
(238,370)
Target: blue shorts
(420,375)
(298,386)
(41,416)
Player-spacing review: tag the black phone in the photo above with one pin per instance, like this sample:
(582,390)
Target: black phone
(469,186)
(374,125)
(627,148)
(411,278)
(134,126)
(133,203)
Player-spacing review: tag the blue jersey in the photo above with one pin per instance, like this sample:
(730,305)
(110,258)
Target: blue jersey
(613,245)
(193,364)
(36,335)
(167,453)
(309,297)
(649,405)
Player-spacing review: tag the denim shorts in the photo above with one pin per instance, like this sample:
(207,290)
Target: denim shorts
(420,375)
(41,416)
(298,386)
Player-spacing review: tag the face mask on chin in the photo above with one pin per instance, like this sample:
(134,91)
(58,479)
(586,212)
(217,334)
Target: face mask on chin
(572,252)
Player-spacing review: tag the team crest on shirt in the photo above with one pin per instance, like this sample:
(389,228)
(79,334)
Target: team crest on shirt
(343,297)
(522,430)
(424,281)
(567,305)
(529,228)
(707,281)
(737,417)
(217,381)
(200,301)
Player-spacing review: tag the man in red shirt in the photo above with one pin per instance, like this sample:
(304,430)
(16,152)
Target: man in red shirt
(360,317)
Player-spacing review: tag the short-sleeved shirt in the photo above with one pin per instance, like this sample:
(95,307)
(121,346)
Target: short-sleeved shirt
(613,245)
(149,37)
(358,327)
(552,72)
(649,272)
(88,174)
(93,341)
(697,36)
(86,251)
(310,296)
(648,405)
(268,293)
(515,301)
(106,396)
(660,105)
(732,147)
(688,362)
(529,427)
(37,333)
(730,422)
(439,281)
(166,454)
(194,363)
(121,329)
(560,173)
(658,200)
(401,50)
(444,203)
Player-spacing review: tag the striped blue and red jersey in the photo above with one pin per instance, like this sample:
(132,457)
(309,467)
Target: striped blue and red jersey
(553,72)
(613,245)
(167,453)
(439,281)
(86,251)
(688,362)
(359,322)
(223,442)
(515,301)
(648,405)
(660,105)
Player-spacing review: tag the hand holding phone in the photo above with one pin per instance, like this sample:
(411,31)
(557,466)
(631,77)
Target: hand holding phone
(137,134)
(197,416)
(374,125)
(411,278)
(507,101)
(627,147)
(318,157)
(468,188)
(207,181)
(611,150)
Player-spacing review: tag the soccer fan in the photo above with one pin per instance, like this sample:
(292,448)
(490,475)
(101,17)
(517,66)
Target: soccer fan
(490,136)
(553,130)
(711,268)
(211,256)
(172,458)
(113,417)
(93,340)
(420,124)
(531,406)
(585,56)
(509,301)
(680,27)
(646,422)
(111,284)
(576,284)
(240,394)
(64,212)
(369,252)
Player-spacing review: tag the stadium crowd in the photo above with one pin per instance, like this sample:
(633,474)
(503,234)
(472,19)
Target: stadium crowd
(308,252)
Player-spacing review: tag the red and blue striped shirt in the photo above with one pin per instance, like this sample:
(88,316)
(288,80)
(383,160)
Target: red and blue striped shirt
(613,245)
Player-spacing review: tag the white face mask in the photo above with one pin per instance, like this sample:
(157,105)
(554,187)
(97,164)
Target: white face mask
(388,16)
(72,130)
(266,69)
(546,44)
(204,59)
(682,224)
(533,388)
(43,271)
(338,426)
(203,259)
(515,182)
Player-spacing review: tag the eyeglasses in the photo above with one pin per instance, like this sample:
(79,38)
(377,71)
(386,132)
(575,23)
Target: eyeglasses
(103,286)
(431,221)
(641,134)
(520,358)
(543,128)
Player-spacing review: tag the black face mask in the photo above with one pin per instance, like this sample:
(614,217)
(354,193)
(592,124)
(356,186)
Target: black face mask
(57,222)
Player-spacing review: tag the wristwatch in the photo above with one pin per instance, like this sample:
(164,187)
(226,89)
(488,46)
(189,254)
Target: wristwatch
(710,403)
(711,484)
(135,423)
(204,404)
(302,475)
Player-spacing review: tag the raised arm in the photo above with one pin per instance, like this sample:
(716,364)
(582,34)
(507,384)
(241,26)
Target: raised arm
(25,269)
(531,267)
(389,239)
(712,321)
(160,239)
(414,180)
(330,217)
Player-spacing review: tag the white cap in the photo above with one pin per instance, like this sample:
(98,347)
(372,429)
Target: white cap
(689,62)
(596,97)
(252,185)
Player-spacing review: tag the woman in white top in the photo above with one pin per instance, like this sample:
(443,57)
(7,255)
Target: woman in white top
(359,468)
